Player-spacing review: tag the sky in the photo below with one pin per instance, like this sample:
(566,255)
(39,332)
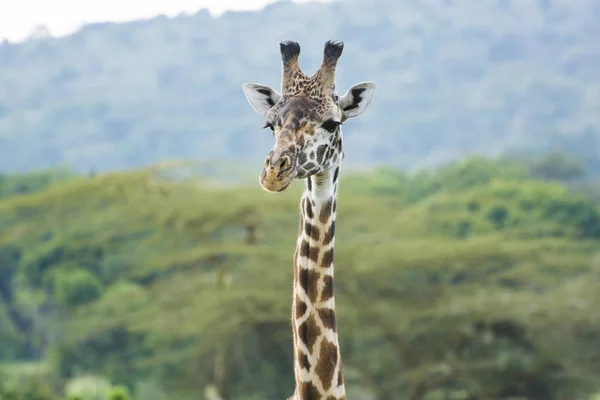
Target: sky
(19,17)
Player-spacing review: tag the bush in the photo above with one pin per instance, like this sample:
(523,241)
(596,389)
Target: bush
(119,393)
(87,388)
(73,288)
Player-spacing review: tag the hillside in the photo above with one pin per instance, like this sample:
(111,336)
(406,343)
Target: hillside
(474,281)
(454,77)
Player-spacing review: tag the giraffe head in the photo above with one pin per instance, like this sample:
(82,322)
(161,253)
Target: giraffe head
(306,117)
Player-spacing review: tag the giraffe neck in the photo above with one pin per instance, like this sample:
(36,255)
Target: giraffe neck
(317,361)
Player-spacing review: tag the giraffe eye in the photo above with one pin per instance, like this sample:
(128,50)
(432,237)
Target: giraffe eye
(330,125)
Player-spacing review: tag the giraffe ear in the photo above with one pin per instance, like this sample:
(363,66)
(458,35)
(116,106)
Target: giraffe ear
(260,97)
(357,99)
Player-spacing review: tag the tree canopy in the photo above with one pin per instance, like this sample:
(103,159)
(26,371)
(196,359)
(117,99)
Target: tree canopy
(473,281)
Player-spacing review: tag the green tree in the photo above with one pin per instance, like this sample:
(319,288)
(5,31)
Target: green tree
(557,166)
(76,287)
(481,288)
(119,393)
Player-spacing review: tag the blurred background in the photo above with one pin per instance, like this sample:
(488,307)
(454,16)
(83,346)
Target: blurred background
(139,258)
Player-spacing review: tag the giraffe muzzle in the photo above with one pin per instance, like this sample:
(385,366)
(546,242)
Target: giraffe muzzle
(279,172)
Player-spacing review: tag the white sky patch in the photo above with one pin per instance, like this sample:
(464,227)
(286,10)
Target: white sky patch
(18,18)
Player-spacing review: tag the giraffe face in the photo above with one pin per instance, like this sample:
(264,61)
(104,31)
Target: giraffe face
(306,119)
(307,141)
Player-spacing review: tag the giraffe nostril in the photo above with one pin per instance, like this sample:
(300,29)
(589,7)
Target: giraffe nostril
(285,163)
(267,162)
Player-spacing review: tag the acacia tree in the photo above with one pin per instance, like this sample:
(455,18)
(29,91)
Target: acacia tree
(476,290)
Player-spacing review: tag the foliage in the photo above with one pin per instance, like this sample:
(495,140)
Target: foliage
(87,387)
(119,393)
(28,382)
(454,78)
(473,281)
(24,183)
(76,287)
(453,176)
(557,166)
(9,334)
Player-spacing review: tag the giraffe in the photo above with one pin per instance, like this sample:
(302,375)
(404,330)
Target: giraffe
(306,120)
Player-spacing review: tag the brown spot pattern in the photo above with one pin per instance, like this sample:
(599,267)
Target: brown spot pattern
(335,174)
(327,292)
(325,368)
(311,231)
(308,208)
(325,211)
(309,166)
(321,153)
(308,391)
(302,158)
(309,281)
(303,360)
(327,259)
(301,308)
(304,248)
(309,332)
(327,317)
(329,235)
(314,254)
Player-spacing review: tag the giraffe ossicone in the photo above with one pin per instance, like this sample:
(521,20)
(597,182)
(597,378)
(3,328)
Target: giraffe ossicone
(305,120)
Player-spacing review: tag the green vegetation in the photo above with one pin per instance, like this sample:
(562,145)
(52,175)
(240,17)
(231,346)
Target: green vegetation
(15,184)
(454,78)
(474,281)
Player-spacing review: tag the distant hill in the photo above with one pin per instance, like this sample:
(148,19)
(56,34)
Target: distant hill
(454,77)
